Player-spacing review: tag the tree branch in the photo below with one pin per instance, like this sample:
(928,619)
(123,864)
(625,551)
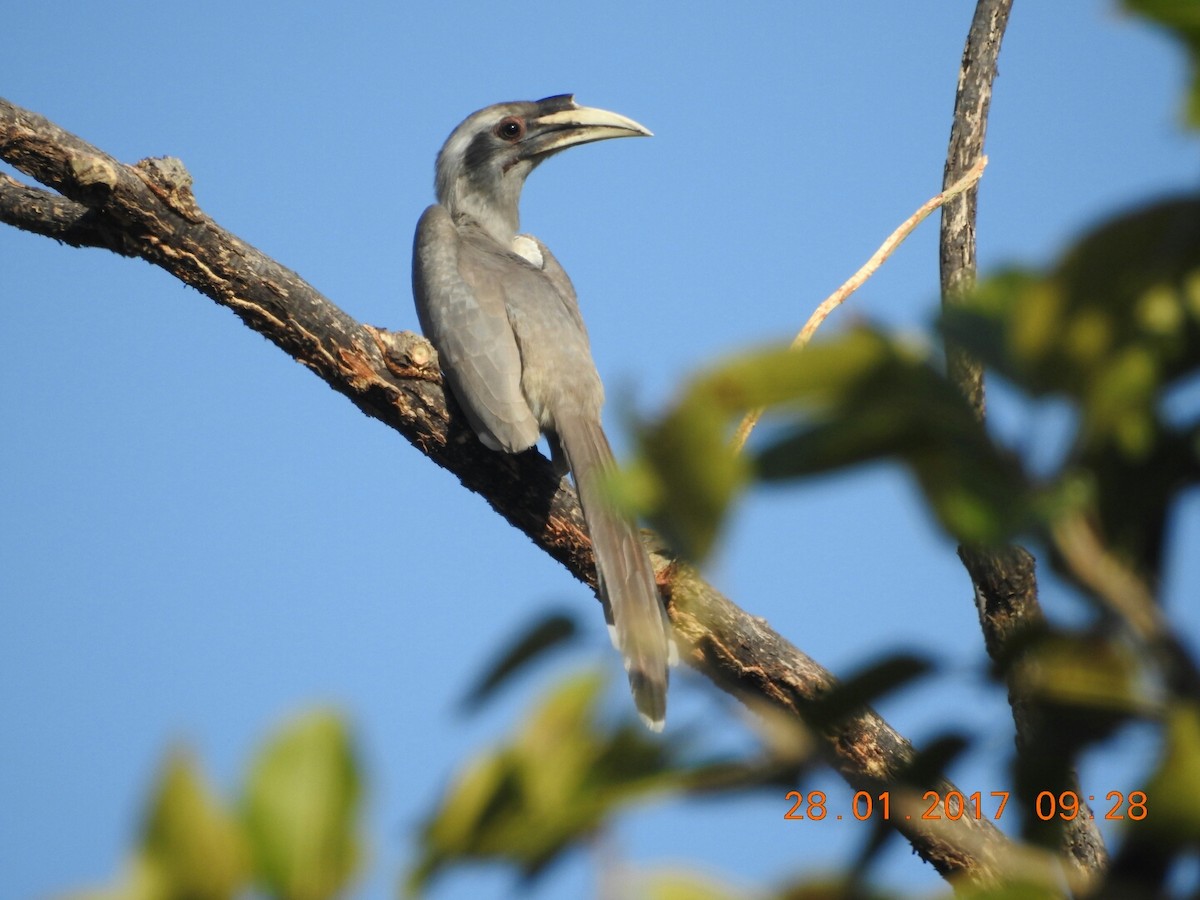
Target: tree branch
(1004,578)
(957,245)
(148,211)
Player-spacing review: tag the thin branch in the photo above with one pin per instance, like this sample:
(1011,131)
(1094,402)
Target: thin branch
(50,215)
(859,278)
(1004,578)
(148,211)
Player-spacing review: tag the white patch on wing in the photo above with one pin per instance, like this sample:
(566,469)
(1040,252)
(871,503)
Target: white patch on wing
(616,641)
(526,248)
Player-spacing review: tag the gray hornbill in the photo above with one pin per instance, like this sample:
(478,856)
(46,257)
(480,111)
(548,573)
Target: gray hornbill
(503,316)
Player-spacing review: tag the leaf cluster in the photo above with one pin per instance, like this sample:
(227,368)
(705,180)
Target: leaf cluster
(1113,330)
(292,833)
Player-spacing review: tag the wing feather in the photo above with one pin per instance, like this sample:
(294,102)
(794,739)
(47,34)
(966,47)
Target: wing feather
(471,331)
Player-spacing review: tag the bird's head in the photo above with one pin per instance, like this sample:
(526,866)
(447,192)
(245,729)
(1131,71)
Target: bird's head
(483,164)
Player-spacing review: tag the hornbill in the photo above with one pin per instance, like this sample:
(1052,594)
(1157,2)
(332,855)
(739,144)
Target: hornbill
(502,314)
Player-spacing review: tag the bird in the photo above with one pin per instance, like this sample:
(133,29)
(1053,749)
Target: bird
(503,316)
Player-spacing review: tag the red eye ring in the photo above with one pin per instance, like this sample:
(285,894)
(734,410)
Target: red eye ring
(510,129)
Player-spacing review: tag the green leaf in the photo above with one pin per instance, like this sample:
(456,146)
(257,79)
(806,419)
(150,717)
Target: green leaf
(862,688)
(896,406)
(546,789)
(690,472)
(688,458)
(680,885)
(191,846)
(1016,886)
(1089,672)
(1078,688)
(301,805)
(932,760)
(1115,320)
(551,631)
(858,397)
(1173,794)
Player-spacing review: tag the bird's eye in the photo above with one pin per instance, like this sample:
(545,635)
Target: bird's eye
(510,129)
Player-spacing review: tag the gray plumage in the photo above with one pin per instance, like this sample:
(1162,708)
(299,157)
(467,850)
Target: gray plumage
(503,316)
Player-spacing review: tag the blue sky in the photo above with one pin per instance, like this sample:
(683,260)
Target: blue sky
(200,538)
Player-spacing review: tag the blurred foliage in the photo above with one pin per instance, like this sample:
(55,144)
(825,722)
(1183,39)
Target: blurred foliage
(1114,329)
(1086,674)
(191,845)
(1175,784)
(299,806)
(566,773)
(860,689)
(553,631)
(1111,332)
(550,787)
(858,397)
(680,886)
(296,836)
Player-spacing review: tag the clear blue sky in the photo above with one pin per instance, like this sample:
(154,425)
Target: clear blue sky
(200,538)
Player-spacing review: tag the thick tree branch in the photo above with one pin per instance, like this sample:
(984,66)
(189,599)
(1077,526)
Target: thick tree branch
(148,211)
(1004,578)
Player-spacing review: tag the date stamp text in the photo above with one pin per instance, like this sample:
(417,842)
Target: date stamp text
(814,806)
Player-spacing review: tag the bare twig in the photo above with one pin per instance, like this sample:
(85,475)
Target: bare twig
(859,278)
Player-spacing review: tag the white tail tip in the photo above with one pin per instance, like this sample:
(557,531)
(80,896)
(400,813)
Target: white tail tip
(655,725)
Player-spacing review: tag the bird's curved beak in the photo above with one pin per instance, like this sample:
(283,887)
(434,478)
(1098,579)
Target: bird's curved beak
(555,131)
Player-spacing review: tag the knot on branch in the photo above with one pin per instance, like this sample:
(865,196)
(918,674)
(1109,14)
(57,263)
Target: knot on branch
(171,182)
(407,354)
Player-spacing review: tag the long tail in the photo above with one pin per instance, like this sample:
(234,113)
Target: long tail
(637,619)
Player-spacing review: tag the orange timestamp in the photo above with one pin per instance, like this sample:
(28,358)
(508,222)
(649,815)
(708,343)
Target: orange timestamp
(955,805)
